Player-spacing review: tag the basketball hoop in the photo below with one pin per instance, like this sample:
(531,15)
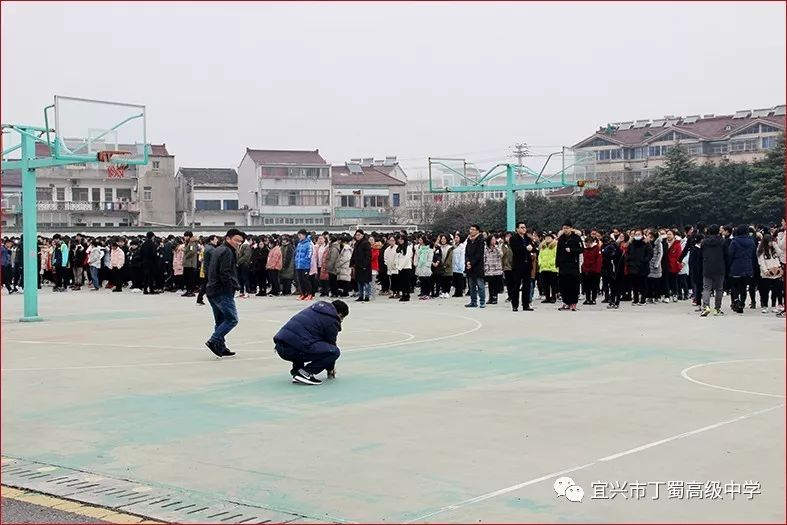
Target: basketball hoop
(114,171)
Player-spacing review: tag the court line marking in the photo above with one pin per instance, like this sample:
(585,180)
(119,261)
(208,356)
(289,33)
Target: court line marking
(685,374)
(612,457)
(405,342)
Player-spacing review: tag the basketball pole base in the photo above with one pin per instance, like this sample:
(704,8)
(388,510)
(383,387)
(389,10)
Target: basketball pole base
(31,319)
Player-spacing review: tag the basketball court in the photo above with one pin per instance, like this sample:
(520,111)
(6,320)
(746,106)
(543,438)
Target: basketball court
(438,413)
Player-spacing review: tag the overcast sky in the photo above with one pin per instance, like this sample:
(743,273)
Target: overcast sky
(405,79)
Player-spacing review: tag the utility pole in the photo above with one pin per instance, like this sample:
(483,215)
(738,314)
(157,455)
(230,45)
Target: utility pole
(520,151)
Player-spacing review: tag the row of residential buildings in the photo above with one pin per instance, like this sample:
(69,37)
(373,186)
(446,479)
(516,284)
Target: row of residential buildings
(280,189)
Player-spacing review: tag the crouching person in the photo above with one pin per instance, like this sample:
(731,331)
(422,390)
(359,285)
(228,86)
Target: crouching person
(308,341)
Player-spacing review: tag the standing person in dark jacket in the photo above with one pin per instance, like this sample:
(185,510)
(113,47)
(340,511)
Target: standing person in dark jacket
(190,263)
(148,254)
(167,254)
(569,247)
(614,264)
(638,262)
(259,258)
(714,268)
(361,263)
(19,263)
(287,272)
(521,267)
(741,257)
(210,246)
(222,283)
(308,341)
(474,267)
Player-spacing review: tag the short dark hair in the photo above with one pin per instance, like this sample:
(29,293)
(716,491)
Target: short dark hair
(211,237)
(188,234)
(568,223)
(477,227)
(150,235)
(713,229)
(232,232)
(303,232)
(341,308)
(520,223)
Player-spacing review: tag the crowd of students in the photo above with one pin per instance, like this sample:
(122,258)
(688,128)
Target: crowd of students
(636,266)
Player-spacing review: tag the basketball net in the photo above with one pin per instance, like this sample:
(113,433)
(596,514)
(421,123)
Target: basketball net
(114,171)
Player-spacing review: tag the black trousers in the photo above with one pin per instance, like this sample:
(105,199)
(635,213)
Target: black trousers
(569,288)
(261,277)
(519,281)
(738,289)
(190,277)
(426,286)
(7,273)
(149,277)
(117,278)
(385,281)
(304,282)
(273,277)
(615,290)
(549,285)
(333,284)
(590,282)
(203,283)
(313,363)
(654,288)
(639,285)
(459,284)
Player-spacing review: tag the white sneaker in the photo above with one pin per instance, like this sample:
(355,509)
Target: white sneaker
(765,310)
(665,300)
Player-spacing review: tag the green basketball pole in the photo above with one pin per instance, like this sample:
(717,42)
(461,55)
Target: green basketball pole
(29,229)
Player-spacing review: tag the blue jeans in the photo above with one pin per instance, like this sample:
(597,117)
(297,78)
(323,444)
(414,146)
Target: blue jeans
(477,290)
(94,277)
(225,316)
(364,290)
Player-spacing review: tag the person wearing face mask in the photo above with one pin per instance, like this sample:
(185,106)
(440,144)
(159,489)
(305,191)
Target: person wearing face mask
(569,248)
(638,262)
(591,270)
(614,261)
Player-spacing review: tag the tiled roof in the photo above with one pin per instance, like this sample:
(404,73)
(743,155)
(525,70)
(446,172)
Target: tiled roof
(375,175)
(712,128)
(292,157)
(223,176)
(156,150)
(11,178)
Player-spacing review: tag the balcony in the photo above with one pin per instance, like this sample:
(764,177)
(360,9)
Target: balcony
(130,207)
(361,213)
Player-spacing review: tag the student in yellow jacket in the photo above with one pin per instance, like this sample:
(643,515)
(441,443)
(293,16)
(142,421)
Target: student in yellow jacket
(547,255)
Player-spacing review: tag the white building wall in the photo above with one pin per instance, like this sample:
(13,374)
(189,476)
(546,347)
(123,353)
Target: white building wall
(248,182)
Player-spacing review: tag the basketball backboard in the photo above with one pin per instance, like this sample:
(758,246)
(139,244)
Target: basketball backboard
(85,128)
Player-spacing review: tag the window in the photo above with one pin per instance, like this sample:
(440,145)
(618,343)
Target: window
(79,194)
(413,196)
(95,224)
(375,201)
(718,148)
(43,194)
(231,204)
(694,149)
(95,194)
(155,164)
(271,199)
(497,195)
(124,193)
(764,128)
(395,197)
(347,201)
(108,194)
(203,204)
(292,198)
(147,193)
(738,146)
(768,142)
(609,154)
(229,224)
(109,224)
(751,130)
(61,194)
(658,151)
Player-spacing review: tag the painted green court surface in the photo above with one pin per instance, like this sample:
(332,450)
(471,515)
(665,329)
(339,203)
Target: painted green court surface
(438,414)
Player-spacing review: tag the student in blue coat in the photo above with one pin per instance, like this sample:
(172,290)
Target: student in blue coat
(308,341)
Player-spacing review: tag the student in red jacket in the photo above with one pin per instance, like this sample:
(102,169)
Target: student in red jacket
(591,270)
(674,265)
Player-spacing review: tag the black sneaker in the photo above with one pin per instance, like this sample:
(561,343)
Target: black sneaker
(214,347)
(226,352)
(305,378)
(528,309)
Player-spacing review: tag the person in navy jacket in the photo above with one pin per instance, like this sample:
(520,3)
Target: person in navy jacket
(308,341)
